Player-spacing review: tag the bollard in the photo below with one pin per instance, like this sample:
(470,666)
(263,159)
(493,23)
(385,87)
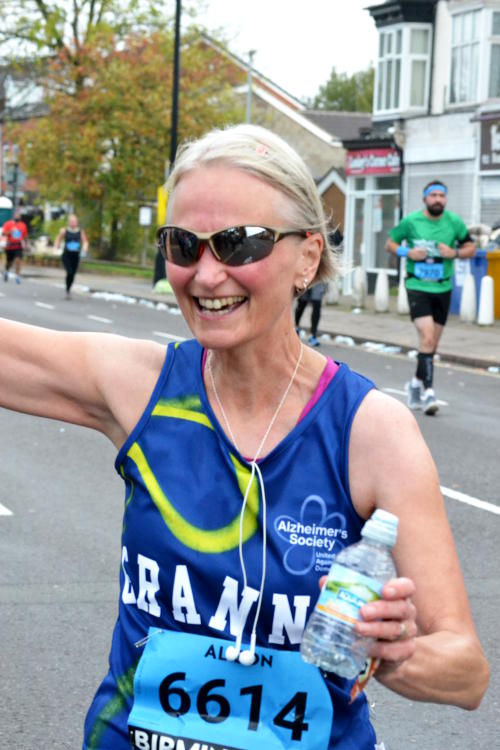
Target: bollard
(402,306)
(468,301)
(382,292)
(332,295)
(358,287)
(485,316)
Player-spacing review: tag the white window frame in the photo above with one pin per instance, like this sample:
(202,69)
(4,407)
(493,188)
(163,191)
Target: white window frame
(493,39)
(406,59)
(481,92)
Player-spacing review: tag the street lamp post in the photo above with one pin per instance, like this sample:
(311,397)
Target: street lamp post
(175,84)
(249,90)
(15,169)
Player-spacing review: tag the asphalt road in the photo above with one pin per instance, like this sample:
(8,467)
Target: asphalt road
(60,547)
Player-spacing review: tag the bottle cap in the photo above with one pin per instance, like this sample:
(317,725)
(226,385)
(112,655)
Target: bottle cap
(382,527)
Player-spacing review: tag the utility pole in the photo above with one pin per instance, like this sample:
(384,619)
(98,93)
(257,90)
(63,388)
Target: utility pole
(249,90)
(175,84)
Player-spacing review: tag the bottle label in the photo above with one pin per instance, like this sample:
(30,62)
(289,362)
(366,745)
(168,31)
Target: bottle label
(345,593)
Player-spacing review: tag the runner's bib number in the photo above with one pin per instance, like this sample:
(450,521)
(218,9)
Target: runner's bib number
(187,696)
(428,271)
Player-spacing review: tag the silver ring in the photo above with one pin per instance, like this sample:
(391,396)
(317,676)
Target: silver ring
(402,633)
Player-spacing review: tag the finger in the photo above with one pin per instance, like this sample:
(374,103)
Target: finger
(399,588)
(386,609)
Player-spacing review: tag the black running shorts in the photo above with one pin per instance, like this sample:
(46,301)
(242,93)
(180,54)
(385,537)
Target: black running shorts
(435,304)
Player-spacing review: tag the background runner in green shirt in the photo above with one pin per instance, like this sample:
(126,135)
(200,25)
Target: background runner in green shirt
(433,238)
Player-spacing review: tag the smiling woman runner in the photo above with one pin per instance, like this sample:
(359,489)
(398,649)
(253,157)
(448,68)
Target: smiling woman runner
(249,461)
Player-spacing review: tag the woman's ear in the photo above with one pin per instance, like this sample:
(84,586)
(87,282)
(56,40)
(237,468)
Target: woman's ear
(310,256)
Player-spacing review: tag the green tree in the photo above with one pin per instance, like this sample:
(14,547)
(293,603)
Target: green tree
(346,93)
(108,87)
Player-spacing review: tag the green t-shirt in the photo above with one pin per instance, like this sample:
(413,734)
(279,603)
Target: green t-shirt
(434,274)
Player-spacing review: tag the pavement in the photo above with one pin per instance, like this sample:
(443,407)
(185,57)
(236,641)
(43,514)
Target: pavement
(462,343)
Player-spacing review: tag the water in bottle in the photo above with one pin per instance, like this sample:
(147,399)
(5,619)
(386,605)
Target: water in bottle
(356,577)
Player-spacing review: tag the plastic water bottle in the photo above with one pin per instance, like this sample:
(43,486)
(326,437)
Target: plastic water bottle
(357,576)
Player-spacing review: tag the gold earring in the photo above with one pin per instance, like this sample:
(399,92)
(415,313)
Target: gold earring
(304,285)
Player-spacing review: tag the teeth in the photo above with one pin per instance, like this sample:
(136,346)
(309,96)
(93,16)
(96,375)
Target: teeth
(220,302)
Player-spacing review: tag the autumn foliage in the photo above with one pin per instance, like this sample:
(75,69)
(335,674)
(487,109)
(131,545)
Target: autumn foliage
(105,143)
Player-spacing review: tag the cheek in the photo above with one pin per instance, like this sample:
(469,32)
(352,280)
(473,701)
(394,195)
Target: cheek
(178,276)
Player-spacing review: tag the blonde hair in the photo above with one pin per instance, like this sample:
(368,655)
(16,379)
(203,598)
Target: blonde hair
(268,157)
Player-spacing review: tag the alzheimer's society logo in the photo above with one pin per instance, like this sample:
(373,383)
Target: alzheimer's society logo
(313,539)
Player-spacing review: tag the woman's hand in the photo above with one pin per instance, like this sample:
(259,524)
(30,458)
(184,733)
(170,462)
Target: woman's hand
(391,622)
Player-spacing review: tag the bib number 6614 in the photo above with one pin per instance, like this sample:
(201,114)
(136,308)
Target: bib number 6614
(213,707)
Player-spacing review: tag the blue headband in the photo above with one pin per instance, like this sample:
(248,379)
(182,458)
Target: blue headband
(433,187)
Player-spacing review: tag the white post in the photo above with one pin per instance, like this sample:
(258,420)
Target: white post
(382,292)
(332,292)
(358,287)
(468,301)
(402,306)
(485,316)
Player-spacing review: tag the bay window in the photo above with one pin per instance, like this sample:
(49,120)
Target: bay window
(402,73)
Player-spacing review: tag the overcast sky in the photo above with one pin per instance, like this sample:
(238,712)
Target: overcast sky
(297,42)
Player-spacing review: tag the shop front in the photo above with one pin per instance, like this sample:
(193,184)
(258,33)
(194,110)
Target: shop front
(372,209)
(489,169)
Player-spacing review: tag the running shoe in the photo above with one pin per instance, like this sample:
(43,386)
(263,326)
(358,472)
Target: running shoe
(430,404)
(414,396)
(313,341)
(6,276)
(18,279)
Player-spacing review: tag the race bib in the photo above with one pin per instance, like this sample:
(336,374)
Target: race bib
(428,271)
(73,245)
(187,696)
(16,234)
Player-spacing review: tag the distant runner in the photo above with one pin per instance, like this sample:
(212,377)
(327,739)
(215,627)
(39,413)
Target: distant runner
(75,241)
(433,239)
(16,233)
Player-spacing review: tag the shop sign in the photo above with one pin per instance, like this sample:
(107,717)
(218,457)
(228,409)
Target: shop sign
(490,144)
(373,161)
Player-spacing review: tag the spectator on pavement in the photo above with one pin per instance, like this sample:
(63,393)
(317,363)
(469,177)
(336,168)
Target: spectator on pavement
(430,239)
(249,460)
(313,295)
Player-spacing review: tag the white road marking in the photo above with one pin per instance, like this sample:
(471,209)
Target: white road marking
(171,336)
(463,498)
(398,392)
(45,305)
(98,319)
(5,511)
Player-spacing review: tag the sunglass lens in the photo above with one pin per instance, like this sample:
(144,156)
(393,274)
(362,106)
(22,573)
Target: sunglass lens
(239,246)
(181,247)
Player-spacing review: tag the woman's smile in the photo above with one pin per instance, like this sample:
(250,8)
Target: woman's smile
(219,305)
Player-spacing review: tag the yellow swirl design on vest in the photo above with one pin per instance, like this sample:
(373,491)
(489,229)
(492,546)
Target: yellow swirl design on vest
(203,540)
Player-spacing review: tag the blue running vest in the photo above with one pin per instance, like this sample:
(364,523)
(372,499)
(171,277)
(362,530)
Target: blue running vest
(180,566)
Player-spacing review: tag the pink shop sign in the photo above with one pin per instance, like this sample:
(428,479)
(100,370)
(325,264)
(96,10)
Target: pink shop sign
(373,161)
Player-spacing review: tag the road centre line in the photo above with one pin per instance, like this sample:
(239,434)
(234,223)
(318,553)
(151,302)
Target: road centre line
(98,319)
(45,305)
(5,511)
(171,336)
(468,500)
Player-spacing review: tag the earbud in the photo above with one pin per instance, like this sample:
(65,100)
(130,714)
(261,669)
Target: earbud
(232,653)
(246,658)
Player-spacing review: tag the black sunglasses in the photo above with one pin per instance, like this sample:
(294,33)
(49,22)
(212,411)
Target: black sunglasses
(235,246)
